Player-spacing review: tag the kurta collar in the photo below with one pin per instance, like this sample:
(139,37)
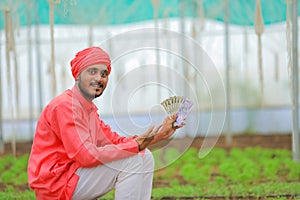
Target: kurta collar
(87,105)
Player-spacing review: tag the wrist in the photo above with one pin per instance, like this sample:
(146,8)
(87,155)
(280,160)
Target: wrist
(139,145)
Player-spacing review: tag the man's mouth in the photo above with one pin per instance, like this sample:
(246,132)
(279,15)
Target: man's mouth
(97,85)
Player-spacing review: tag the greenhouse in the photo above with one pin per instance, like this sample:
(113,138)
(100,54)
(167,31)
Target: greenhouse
(235,60)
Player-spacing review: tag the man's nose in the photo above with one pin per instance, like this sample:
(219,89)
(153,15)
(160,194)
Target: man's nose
(98,77)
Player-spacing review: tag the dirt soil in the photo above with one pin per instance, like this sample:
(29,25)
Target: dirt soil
(283,141)
(279,141)
(240,141)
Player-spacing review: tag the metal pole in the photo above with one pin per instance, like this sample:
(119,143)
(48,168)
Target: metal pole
(168,39)
(91,30)
(156,4)
(30,68)
(295,130)
(52,3)
(1,120)
(227,74)
(38,57)
(9,47)
(182,45)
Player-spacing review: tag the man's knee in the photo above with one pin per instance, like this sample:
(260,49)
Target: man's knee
(148,160)
(142,162)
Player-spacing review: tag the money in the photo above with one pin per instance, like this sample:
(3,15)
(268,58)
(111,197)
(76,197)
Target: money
(177,105)
(183,111)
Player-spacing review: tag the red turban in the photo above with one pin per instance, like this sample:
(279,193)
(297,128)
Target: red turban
(88,57)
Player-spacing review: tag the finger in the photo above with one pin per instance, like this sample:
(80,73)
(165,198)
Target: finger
(157,128)
(167,119)
(174,117)
(148,132)
(150,128)
(180,126)
(171,118)
(173,125)
(170,132)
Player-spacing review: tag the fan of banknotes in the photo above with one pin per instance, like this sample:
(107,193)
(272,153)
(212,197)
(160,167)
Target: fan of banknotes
(177,105)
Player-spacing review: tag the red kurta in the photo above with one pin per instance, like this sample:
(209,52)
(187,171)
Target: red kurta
(70,135)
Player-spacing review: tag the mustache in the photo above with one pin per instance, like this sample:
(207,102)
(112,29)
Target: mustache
(95,83)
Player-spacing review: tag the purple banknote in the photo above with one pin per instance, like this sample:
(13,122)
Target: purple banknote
(183,111)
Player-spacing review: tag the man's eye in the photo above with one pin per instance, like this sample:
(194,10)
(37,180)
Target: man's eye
(104,74)
(93,72)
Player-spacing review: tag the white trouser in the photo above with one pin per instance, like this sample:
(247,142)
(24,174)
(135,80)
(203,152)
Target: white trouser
(130,177)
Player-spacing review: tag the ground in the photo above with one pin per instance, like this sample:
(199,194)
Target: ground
(283,141)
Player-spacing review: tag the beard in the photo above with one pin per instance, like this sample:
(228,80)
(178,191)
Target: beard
(94,94)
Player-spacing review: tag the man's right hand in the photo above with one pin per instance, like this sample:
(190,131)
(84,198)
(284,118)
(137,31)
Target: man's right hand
(146,138)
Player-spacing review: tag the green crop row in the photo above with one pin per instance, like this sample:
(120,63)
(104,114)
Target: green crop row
(251,173)
(14,193)
(235,191)
(13,170)
(250,165)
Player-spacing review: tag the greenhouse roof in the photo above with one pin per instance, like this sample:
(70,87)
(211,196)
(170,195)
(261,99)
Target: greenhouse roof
(112,12)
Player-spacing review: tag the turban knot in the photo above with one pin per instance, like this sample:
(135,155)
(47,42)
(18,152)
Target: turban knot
(88,57)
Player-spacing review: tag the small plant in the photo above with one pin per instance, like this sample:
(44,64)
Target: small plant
(253,173)
(249,173)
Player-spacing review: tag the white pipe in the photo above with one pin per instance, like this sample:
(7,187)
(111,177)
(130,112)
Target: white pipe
(295,128)
(227,78)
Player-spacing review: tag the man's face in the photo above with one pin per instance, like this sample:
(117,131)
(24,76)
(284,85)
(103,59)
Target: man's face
(92,81)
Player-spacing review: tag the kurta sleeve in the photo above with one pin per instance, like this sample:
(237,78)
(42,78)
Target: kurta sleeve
(74,129)
(113,137)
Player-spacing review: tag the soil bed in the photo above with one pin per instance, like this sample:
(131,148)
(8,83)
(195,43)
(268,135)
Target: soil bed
(280,141)
(274,141)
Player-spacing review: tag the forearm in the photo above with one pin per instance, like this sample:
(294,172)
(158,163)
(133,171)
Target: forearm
(155,135)
(155,140)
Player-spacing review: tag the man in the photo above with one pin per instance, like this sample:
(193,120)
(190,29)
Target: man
(75,155)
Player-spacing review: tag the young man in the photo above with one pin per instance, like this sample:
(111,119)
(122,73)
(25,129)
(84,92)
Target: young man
(75,155)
